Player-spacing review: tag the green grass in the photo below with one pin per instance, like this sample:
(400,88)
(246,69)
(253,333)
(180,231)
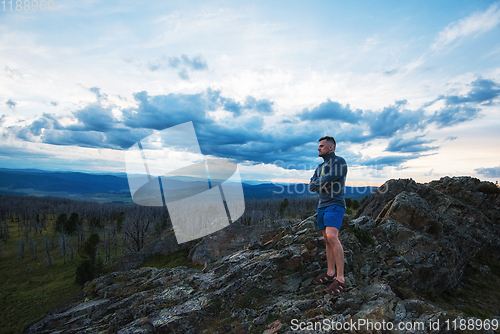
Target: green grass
(29,288)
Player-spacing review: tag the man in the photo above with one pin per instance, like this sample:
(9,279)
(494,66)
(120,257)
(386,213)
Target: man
(329,182)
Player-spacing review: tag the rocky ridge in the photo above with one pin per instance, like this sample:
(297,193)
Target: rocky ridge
(406,239)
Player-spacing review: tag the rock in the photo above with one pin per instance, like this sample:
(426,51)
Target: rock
(273,327)
(232,238)
(409,209)
(407,238)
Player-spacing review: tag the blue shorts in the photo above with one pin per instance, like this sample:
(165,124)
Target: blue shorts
(330,216)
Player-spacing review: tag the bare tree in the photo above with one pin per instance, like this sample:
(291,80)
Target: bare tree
(63,247)
(70,247)
(33,249)
(135,231)
(20,249)
(48,257)
(5,230)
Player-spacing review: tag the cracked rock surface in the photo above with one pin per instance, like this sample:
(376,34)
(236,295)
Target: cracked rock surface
(406,237)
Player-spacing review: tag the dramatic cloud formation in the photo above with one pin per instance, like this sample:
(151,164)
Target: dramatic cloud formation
(333,111)
(163,111)
(400,84)
(394,119)
(247,139)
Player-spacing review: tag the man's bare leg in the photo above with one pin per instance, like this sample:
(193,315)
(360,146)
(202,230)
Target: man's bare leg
(330,257)
(331,236)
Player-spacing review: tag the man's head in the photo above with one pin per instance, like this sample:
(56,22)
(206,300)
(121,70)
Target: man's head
(326,145)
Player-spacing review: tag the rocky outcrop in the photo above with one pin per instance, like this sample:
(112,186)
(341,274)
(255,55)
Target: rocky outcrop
(233,238)
(432,229)
(406,239)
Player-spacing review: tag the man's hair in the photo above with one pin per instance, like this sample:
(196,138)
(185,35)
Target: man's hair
(330,141)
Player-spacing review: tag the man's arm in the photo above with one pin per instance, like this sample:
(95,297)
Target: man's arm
(313,183)
(336,172)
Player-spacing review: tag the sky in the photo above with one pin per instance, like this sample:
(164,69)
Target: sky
(409,89)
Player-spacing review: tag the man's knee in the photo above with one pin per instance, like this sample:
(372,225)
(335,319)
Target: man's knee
(332,233)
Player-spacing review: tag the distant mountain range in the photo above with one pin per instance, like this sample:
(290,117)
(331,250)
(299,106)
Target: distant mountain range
(115,188)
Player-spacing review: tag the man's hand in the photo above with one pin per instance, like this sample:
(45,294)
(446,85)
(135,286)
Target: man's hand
(326,187)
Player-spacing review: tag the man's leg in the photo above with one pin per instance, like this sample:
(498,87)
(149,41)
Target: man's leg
(330,257)
(336,258)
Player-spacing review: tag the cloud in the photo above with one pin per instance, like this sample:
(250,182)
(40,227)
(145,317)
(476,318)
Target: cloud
(79,138)
(430,173)
(197,63)
(482,91)
(410,145)
(251,103)
(174,62)
(262,106)
(93,117)
(11,104)
(97,91)
(244,136)
(333,111)
(391,72)
(475,24)
(490,172)
(184,64)
(40,124)
(11,73)
(450,138)
(449,116)
(380,163)
(13,152)
(162,111)
(183,74)
(462,108)
(394,119)
(95,125)
(244,144)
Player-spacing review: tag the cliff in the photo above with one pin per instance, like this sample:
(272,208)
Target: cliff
(411,251)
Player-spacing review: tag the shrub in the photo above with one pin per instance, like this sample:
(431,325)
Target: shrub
(84,272)
(488,188)
(348,202)
(91,265)
(364,237)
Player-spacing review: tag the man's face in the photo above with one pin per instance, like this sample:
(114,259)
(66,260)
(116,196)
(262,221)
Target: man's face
(324,148)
